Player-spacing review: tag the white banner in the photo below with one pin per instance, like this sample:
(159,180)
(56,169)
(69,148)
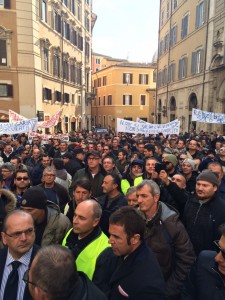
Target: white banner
(18,127)
(53,121)
(207,117)
(148,128)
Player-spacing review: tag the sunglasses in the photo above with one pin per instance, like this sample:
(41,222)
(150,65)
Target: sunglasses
(21,178)
(219,249)
(181,158)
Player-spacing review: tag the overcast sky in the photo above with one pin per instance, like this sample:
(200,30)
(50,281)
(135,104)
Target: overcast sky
(126,29)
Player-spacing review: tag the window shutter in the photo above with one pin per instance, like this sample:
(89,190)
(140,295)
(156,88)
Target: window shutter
(131,78)
(123,99)
(201,60)
(179,69)
(124,78)
(197,17)
(193,63)
(185,66)
(130,100)
(7,4)
(139,78)
(10,90)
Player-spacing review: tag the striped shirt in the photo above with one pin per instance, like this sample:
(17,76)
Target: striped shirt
(25,261)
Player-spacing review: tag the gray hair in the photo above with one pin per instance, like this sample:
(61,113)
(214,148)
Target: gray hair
(9,166)
(131,190)
(49,169)
(154,188)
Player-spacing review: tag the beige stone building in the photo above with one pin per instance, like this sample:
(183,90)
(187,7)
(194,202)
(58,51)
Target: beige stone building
(122,90)
(45,60)
(190,61)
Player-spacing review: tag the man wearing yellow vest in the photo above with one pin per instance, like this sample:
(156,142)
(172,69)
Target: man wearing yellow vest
(88,243)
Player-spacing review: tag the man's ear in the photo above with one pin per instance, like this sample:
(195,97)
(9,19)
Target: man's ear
(135,239)
(39,294)
(156,198)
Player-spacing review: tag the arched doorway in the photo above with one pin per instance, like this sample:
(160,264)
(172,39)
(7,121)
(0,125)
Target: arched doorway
(193,102)
(172,108)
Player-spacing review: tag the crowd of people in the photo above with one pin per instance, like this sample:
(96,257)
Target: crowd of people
(112,216)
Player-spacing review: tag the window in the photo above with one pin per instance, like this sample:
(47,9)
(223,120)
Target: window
(160,47)
(166,42)
(3,53)
(47,94)
(97,61)
(46,59)
(182,72)
(127,99)
(57,22)
(79,74)
(66,98)
(164,76)
(87,21)
(143,78)
(200,14)
(66,30)
(5,3)
(173,35)
(72,6)
(44,10)
(104,100)
(45,44)
(184,29)
(127,78)
(154,76)
(171,71)
(65,67)
(143,100)
(167,10)
(73,99)
(65,2)
(79,11)
(6,90)
(109,99)
(87,49)
(72,71)
(74,37)
(162,18)
(80,42)
(197,61)
(56,62)
(58,96)
(104,81)
(159,79)
(99,82)
(174,4)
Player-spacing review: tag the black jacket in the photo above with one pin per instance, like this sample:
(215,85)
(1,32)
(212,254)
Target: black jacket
(139,276)
(204,281)
(202,221)
(3,256)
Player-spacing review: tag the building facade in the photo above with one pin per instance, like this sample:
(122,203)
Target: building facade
(45,60)
(123,90)
(188,62)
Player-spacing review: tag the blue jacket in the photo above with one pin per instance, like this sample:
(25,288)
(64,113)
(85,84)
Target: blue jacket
(204,281)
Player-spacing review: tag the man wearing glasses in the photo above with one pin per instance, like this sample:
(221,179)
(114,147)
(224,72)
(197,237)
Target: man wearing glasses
(207,276)
(94,172)
(21,184)
(18,236)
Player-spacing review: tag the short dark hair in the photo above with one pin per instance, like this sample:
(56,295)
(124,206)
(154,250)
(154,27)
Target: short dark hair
(22,171)
(131,220)
(123,151)
(116,179)
(58,163)
(149,147)
(84,183)
(55,272)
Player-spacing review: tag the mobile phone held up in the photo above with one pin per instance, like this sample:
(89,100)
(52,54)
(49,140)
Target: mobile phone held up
(159,167)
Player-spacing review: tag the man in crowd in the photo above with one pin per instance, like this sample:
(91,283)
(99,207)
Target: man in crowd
(166,236)
(149,150)
(94,172)
(111,201)
(207,276)
(18,236)
(8,171)
(55,192)
(57,262)
(122,162)
(217,168)
(85,239)
(50,225)
(171,162)
(37,172)
(131,196)
(7,153)
(137,274)
(21,184)
(204,212)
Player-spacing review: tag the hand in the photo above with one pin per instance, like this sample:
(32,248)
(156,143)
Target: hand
(154,175)
(164,177)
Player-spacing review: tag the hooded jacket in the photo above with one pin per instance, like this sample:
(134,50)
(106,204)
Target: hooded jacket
(7,204)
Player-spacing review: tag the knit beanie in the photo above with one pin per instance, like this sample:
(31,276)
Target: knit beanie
(171,158)
(208,175)
(190,161)
(34,197)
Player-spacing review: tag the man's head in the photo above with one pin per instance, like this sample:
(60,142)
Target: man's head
(220,249)
(108,163)
(149,150)
(82,190)
(36,153)
(171,162)
(45,160)
(131,196)
(16,161)
(111,183)
(8,149)
(18,233)
(180,144)
(79,153)
(148,193)
(122,155)
(126,230)
(49,175)
(86,217)
(188,166)
(216,168)
(34,202)
(93,159)
(193,144)
(22,180)
(137,167)
(8,170)
(206,185)
(150,164)
(63,146)
(179,180)
(53,274)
